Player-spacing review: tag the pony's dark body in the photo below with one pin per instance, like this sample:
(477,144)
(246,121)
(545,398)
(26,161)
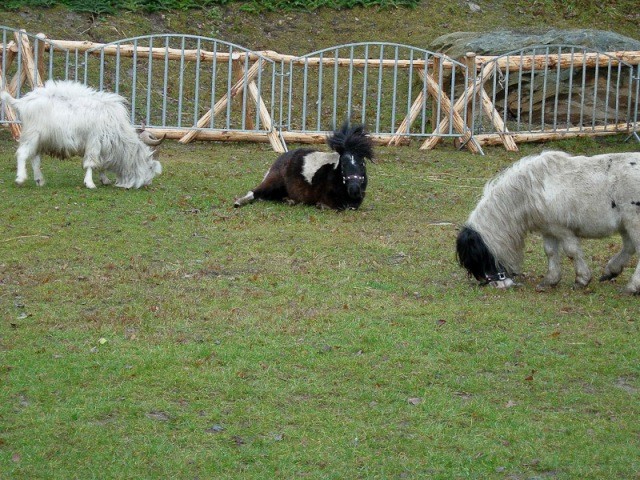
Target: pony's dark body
(334,180)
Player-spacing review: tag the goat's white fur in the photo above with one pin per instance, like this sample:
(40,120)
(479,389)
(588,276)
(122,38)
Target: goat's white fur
(564,198)
(66,118)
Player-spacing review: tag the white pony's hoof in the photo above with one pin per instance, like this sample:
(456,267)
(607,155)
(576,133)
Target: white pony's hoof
(503,284)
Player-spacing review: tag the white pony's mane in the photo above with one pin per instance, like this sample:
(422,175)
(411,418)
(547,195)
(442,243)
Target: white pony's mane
(511,205)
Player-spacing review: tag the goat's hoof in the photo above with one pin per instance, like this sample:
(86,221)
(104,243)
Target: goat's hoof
(20,181)
(40,182)
(631,291)
(91,186)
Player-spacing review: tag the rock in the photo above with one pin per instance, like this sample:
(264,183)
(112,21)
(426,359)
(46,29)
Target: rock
(566,98)
(457,44)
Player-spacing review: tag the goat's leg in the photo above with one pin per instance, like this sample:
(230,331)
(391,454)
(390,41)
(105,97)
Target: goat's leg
(37,173)
(619,260)
(104,180)
(24,152)
(554,272)
(91,161)
(88,178)
(571,246)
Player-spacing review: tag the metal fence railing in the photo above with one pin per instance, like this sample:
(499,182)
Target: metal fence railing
(191,87)
(552,91)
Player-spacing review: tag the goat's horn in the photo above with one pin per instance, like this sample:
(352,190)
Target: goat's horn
(150,139)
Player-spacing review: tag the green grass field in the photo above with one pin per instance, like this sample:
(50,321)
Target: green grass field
(160,333)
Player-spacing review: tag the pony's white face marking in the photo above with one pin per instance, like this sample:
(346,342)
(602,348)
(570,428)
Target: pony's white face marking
(315,161)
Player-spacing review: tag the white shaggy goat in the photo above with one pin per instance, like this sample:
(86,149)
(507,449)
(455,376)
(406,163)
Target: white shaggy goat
(66,118)
(564,198)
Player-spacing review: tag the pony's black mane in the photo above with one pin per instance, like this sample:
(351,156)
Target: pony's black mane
(353,140)
(473,254)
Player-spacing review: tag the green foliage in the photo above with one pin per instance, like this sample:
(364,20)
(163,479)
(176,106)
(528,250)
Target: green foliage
(113,6)
(285,5)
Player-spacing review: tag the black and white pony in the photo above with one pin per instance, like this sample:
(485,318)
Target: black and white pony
(564,198)
(335,179)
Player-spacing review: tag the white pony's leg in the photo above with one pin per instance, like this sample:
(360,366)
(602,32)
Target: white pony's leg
(571,246)
(554,272)
(633,286)
(37,173)
(633,230)
(619,260)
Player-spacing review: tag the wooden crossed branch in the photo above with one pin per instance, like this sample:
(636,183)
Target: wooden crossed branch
(245,81)
(452,114)
(435,91)
(29,73)
(475,86)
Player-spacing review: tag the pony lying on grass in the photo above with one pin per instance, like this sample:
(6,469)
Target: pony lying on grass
(564,198)
(335,180)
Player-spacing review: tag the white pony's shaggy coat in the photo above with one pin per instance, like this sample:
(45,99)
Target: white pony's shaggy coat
(564,198)
(66,118)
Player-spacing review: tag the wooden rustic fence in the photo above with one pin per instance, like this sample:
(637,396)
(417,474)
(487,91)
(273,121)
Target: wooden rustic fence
(192,87)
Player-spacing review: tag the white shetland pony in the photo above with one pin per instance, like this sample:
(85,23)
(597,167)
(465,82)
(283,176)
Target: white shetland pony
(564,198)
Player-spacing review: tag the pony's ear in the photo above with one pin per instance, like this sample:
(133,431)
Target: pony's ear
(337,138)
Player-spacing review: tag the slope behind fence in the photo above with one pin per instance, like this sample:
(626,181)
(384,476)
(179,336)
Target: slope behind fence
(191,87)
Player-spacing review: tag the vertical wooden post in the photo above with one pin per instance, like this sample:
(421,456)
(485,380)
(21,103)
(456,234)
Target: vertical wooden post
(470,62)
(434,101)
(28,64)
(238,74)
(41,45)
